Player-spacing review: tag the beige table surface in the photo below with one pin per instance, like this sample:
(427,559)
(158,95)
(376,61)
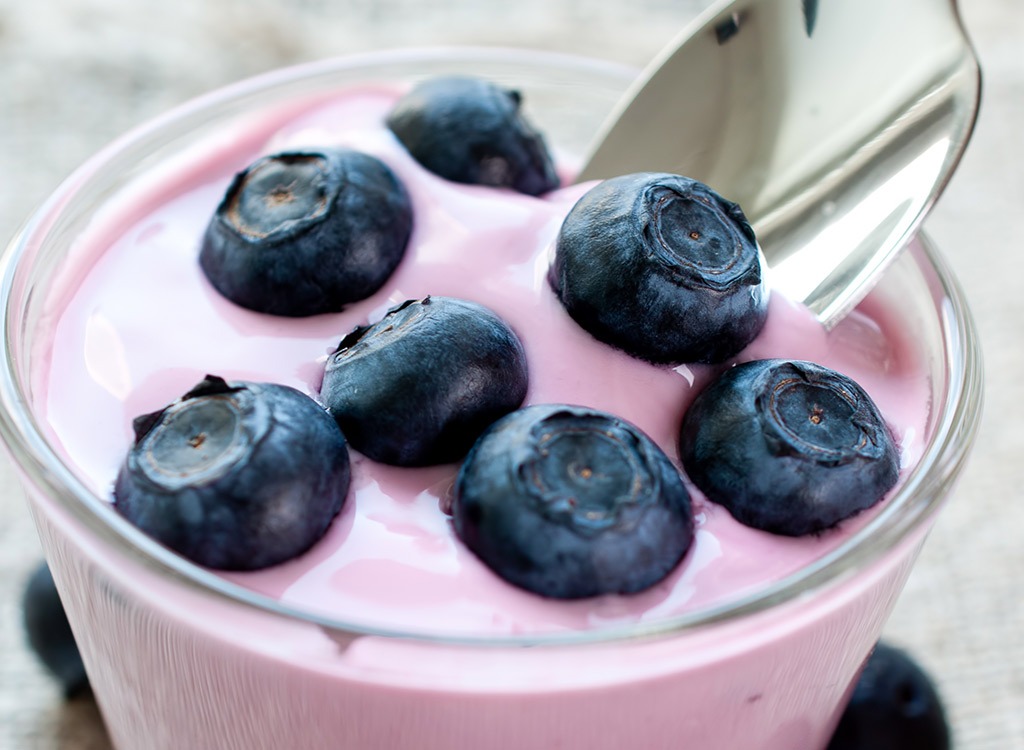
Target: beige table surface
(75,73)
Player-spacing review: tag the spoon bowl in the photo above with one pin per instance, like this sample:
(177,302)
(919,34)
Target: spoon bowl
(836,126)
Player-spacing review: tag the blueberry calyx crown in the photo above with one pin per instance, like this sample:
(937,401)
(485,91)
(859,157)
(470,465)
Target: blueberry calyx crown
(788,447)
(280,196)
(199,437)
(472,131)
(698,236)
(569,502)
(307,232)
(662,267)
(419,386)
(398,319)
(585,470)
(816,414)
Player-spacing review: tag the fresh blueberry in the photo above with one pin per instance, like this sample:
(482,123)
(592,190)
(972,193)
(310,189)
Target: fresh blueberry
(235,476)
(304,233)
(472,131)
(894,706)
(419,386)
(49,633)
(569,502)
(662,267)
(788,447)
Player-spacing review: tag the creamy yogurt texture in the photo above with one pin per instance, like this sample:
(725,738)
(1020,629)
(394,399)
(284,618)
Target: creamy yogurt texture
(140,325)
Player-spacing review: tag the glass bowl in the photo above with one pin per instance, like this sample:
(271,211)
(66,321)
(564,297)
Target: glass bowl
(181,657)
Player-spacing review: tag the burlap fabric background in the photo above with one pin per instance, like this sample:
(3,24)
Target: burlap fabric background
(76,73)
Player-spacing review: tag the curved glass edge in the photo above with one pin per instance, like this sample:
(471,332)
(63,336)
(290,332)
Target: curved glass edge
(915,503)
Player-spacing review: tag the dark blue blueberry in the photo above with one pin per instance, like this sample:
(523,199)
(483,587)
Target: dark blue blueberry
(472,131)
(308,232)
(49,633)
(662,267)
(235,476)
(569,502)
(419,386)
(728,28)
(894,706)
(788,447)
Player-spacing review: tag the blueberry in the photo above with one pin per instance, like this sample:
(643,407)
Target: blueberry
(49,633)
(894,706)
(235,476)
(304,233)
(569,502)
(788,447)
(662,267)
(419,386)
(472,131)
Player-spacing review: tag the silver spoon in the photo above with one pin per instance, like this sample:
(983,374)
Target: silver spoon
(835,125)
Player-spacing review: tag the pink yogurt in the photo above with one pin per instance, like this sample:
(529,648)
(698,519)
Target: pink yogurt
(142,325)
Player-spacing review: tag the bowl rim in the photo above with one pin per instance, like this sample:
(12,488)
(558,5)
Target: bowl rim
(913,505)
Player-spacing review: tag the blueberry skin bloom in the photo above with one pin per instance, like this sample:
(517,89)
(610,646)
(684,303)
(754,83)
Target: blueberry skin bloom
(304,233)
(235,476)
(894,706)
(569,502)
(788,447)
(661,267)
(418,387)
(471,131)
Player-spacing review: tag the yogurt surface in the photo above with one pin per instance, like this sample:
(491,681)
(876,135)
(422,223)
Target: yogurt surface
(141,325)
